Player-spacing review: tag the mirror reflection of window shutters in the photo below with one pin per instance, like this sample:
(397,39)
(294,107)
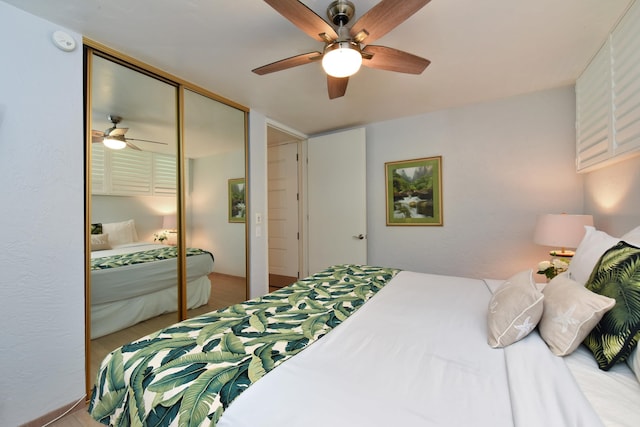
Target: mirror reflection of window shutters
(164,174)
(98,181)
(132,173)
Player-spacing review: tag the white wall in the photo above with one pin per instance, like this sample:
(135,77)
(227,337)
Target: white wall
(504,163)
(612,196)
(257,175)
(42,256)
(146,211)
(210,227)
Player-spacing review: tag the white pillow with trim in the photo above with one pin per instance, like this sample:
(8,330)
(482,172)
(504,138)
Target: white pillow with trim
(514,310)
(593,245)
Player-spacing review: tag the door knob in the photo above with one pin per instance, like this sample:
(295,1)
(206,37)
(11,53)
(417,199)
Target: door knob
(359,237)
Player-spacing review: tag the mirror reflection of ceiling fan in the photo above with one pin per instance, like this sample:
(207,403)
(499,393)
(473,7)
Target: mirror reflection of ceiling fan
(114,136)
(343,52)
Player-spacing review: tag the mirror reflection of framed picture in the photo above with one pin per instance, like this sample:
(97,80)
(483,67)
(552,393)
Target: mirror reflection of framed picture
(237,205)
(414,191)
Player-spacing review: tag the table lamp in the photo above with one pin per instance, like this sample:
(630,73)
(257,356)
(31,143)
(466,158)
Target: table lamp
(561,230)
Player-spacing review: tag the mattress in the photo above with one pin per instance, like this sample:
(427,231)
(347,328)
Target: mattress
(111,317)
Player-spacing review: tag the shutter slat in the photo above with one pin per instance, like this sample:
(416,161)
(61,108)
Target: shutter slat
(625,44)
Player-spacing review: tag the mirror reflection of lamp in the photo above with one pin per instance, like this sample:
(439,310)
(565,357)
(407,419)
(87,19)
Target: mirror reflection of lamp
(169,227)
(561,230)
(114,142)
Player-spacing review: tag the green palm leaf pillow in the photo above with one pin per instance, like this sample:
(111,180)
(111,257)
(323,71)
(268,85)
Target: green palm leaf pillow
(616,275)
(96,228)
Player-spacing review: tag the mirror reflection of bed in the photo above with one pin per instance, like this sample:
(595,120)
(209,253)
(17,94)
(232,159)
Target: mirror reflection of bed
(135,200)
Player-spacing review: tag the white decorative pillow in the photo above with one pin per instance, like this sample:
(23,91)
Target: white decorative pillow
(632,237)
(571,311)
(100,242)
(634,362)
(593,245)
(120,233)
(514,310)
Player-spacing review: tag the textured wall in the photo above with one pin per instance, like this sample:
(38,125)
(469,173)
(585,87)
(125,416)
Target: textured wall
(258,245)
(612,196)
(504,162)
(42,256)
(210,226)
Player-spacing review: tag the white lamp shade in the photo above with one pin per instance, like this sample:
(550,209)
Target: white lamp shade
(341,60)
(169,222)
(114,143)
(561,230)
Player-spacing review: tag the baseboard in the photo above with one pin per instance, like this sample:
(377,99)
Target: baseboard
(57,413)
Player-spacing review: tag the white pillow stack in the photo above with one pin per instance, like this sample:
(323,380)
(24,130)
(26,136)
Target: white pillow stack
(120,233)
(565,311)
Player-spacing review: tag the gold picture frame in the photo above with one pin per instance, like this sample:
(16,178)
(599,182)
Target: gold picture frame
(414,191)
(237,202)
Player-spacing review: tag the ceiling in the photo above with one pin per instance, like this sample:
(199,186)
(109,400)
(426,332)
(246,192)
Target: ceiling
(479,51)
(147,107)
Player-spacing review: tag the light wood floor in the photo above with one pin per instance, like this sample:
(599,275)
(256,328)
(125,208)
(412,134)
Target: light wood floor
(225,290)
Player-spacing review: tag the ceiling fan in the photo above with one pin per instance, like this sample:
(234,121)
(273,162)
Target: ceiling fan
(114,136)
(345,44)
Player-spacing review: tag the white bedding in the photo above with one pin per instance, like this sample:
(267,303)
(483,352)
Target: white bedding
(124,296)
(416,354)
(614,394)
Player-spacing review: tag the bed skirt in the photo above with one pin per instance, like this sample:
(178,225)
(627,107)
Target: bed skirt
(114,316)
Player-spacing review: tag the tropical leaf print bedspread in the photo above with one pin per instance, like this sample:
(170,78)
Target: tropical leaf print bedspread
(140,257)
(189,373)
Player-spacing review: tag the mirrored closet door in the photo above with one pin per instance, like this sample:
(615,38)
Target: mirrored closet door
(165,168)
(214,151)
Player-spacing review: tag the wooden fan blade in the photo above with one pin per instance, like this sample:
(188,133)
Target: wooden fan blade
(337,86)
(145,140)
(118,131)
(384,17)
(283,64)
(132,145)
(388,58)
(304,18)
(96,135)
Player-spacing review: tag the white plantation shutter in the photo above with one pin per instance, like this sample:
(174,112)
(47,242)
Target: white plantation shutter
(593,110)
(608,98)
(625,47)
(98,179)
(131,172)
(164,174)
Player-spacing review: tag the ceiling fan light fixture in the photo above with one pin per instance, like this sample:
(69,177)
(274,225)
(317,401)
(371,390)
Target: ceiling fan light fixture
(114,143)
(342,59)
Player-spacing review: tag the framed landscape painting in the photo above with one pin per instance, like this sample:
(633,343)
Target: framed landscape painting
(237,205)
(414,191)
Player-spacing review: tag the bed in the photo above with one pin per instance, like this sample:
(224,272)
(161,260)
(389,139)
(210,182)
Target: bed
(373,346)
(132,281)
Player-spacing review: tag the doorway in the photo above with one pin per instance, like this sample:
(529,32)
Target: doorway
(284,206)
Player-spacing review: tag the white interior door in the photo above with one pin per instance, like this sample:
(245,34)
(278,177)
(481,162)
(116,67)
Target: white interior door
(282,175)
(337,201)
